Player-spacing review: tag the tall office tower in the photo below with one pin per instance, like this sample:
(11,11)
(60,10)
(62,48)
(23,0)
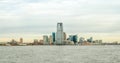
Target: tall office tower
(65,36)
(45,40)
(59,34)
(50,39)
(73,38)
(21,40)
(53,36)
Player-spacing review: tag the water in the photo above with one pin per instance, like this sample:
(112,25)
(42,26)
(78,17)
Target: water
(60,54)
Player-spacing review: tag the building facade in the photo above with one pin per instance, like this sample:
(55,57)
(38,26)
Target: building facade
(50,39)
(73,38)
(21,40)
(53,36)
(45,40)
(59,34)
(65,36)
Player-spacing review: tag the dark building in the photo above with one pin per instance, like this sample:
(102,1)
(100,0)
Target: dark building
(53,36)
(73,38)
(90,39)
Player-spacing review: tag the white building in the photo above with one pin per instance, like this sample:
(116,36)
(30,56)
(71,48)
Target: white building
(59,34)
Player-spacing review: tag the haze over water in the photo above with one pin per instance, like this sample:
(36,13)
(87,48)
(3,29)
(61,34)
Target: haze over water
(60,54)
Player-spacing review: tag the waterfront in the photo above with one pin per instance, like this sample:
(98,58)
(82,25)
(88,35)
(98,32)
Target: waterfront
(60,54)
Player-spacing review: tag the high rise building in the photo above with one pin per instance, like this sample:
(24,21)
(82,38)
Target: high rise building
(45,40)
(90,39)
(73,38)
(82,39)
(21,40)
(53,36)
(41,42)
(65,36)
(50,40)
(35,41)
(97,41)
(13,42)
(59,34)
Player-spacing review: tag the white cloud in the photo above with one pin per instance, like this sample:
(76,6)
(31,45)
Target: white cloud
(41,16)
(80,13)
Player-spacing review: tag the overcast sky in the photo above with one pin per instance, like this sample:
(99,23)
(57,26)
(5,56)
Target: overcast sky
(41,16)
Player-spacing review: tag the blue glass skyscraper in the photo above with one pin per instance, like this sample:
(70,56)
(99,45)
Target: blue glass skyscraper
(73,38)
(53,36)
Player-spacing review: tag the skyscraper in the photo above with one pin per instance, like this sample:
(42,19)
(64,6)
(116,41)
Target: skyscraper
(53,36)
(82,39)
(21,40)
(73,38)
(65,36)
(59,34)
(50,39)
(45,40)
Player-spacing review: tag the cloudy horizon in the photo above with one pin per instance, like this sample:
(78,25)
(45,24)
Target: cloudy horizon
(28,18)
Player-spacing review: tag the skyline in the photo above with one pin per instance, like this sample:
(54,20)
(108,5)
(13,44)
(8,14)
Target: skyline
(32,19)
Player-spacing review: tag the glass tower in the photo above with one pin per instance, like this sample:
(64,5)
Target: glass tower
(59,34)
(53,36)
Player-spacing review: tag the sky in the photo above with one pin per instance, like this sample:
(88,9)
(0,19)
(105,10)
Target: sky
(31,19)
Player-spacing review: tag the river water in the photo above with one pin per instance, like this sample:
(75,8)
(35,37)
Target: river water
(60,54)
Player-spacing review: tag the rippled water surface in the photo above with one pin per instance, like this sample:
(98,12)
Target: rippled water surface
(59,54)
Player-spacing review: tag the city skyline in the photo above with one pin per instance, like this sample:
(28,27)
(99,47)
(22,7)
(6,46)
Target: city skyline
(59,38)
(33,19)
